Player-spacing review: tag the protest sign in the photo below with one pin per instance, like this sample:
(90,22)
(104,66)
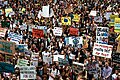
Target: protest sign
(102,35)
(93,13)
(47,59)
(77,67)
(116,58)
(5,67)
(44,28)
(66,20)
(117,20)
(14,37)
(102,50)
(37,33)
(75,17)
(112,17)
(7,47)
(92,68)
(27,72)
(118,47)
(22,62)
(21,47)
(74,31)
(117,28)
(98,19)
(57,31)
(62,61)
(74,41)
(55,57)
(34,59)
(2,32)
(8,10)
(46,11)
(111,24)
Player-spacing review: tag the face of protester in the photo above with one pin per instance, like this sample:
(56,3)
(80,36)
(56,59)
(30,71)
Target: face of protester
(106,64)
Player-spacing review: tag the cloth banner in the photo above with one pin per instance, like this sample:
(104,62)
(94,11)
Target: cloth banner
(57,31)
(66,20)
(38,33)
(117,20)
(74,31)
(117,28)
(102,35)
(27,72)
(102,50)
(14,37)
(112,17)
(2,32)
(7,47)
(74,41)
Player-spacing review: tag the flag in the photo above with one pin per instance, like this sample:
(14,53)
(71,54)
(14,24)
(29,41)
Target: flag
(66,20)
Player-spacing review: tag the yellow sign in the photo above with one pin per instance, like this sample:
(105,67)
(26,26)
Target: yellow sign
(111,24)
(114,16)
(117,20)
(66,20)
(8,10)
(76,18)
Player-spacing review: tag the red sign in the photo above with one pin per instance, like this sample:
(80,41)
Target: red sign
(74,31)
(37,33)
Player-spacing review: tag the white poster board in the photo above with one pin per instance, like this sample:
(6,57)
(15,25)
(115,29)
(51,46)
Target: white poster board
(55,57)
(102,50)
(27,72)
(57,31)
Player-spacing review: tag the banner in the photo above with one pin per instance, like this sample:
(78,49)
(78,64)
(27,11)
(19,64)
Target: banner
(34,59)
(5,67)
(77,67)
(116,58)
(27,72)
(74,31)
(7,47)
(117,28)
(117,20)
(112,17)
(102,35)
(55,57)
(102,50)
(62,61)
(8,10)
(111,24)
(22,62)
(74,41)
(14,37)
(75,17)
(21,47)
(2,32)
(66,20)
(57,31)
(37,33)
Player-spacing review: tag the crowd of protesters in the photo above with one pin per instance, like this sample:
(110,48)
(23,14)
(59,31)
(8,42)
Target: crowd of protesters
(51,44)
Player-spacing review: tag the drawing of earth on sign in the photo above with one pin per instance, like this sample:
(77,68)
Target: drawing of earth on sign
(75,41)
(65,20)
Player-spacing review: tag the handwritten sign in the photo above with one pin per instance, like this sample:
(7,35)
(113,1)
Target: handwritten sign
(27,72)
(38,33)
(102,50)
(7,47)
(102,35)
(116,58)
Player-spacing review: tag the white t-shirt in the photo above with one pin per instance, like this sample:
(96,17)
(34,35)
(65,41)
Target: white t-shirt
(114,76)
